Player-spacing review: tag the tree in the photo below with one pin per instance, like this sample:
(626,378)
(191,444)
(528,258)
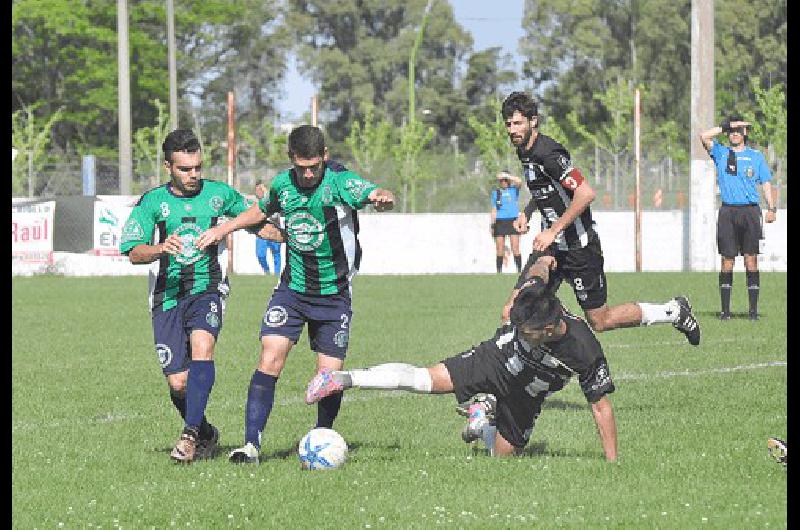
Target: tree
(30,140)
(147,142)
(357,51)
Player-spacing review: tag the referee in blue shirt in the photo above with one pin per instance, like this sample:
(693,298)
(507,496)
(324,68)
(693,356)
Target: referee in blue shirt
(739,229)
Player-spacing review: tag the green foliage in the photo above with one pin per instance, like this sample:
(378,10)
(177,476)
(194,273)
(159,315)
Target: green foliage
(147,143)
(683,463)
(491,140)
(30,137)
(369,140)
(412,139)
(768,127)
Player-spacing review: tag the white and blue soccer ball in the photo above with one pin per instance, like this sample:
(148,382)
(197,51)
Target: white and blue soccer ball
(322,448)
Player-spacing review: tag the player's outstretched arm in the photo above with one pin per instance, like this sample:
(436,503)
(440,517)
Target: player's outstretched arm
(603,415)
(251,216)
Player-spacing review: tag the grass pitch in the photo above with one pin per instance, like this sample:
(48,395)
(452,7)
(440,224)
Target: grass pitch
(92,423)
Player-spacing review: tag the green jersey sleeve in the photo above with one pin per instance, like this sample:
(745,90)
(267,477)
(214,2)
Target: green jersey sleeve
(235,203)
(138,229)
(354,190)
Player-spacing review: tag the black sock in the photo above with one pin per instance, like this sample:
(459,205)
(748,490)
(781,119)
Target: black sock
(328,409)
(499,263)
(179,400)
(753,287)
(518,262)
(725,286)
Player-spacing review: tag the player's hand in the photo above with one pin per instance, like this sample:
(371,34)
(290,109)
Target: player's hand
(172,245)
(271,232)
(382,199)
(521,223)
(209,237)
(544,239)
(770,217)
(505,315)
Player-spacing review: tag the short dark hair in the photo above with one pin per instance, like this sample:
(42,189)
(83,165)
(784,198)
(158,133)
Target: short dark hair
(535,309)
(306,141)
(519,101)
(180,140)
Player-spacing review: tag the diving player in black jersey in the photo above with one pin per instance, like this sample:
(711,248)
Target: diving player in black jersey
(563,197)
(526,361)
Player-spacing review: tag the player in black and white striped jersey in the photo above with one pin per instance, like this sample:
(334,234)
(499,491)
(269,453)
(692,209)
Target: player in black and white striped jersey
(563,197)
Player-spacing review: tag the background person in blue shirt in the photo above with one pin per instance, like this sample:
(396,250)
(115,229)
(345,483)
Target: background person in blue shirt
(739,229)
(262,245)
(504,211)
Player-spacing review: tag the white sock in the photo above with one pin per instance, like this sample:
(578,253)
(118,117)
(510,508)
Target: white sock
(393,376)
(659,313)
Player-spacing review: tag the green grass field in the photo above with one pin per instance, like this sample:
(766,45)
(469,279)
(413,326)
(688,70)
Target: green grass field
(92,423)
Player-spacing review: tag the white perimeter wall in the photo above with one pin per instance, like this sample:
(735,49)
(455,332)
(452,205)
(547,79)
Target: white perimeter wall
(461,243)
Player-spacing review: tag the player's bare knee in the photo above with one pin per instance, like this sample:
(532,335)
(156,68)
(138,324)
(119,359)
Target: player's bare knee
(177,382)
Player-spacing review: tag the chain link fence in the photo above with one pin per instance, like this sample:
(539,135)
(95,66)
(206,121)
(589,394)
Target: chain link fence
(454,184)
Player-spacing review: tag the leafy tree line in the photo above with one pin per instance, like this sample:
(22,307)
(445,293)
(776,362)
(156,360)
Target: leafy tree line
(582,61)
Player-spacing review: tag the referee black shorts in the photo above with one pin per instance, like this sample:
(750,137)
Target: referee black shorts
(504,227)
(739,230)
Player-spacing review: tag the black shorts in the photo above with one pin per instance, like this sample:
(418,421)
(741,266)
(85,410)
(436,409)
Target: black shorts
(582,268)
(739,230)
(472,373)
(504,227)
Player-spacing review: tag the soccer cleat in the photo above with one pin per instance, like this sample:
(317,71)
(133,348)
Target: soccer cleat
(321,386)
(777,450)
(480,413)
(753,315)
(207,447)
(244,455)
(686,322)
(185,448)
(724,316)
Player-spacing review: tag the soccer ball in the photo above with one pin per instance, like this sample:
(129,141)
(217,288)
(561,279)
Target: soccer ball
(322,448)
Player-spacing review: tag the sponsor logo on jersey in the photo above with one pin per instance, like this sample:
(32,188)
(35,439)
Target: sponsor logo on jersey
(276,316)
(164,355)
(563,161)
(306,232)
(340,339)
(132,231)
(749,172)
(356,188)
(543,193)
(215,203)
(164,207)
(188,232)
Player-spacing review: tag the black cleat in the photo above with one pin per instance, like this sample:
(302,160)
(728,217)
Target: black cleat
(753,315)
(686,322)
(724,316)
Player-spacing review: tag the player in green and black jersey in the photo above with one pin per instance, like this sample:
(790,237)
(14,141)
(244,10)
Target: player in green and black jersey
(319,202)
(188,285)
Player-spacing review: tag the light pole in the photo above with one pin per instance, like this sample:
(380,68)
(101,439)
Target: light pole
(411,63)
(173,71)
(124,98)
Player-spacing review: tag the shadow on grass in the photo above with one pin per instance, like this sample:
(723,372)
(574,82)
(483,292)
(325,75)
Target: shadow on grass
(563,405)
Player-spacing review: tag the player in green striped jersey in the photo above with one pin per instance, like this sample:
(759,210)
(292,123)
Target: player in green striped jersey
(319,203)
(187,285)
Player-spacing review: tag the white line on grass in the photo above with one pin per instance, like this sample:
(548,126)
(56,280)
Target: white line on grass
(26,426)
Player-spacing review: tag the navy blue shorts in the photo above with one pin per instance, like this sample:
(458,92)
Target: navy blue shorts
(171,329)
(328,318)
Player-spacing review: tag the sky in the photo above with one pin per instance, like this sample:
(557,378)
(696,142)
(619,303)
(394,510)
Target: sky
(488,25)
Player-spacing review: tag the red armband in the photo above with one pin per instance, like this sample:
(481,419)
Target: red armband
(572,180)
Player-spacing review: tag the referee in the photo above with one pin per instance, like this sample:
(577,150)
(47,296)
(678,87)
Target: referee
(739,229)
